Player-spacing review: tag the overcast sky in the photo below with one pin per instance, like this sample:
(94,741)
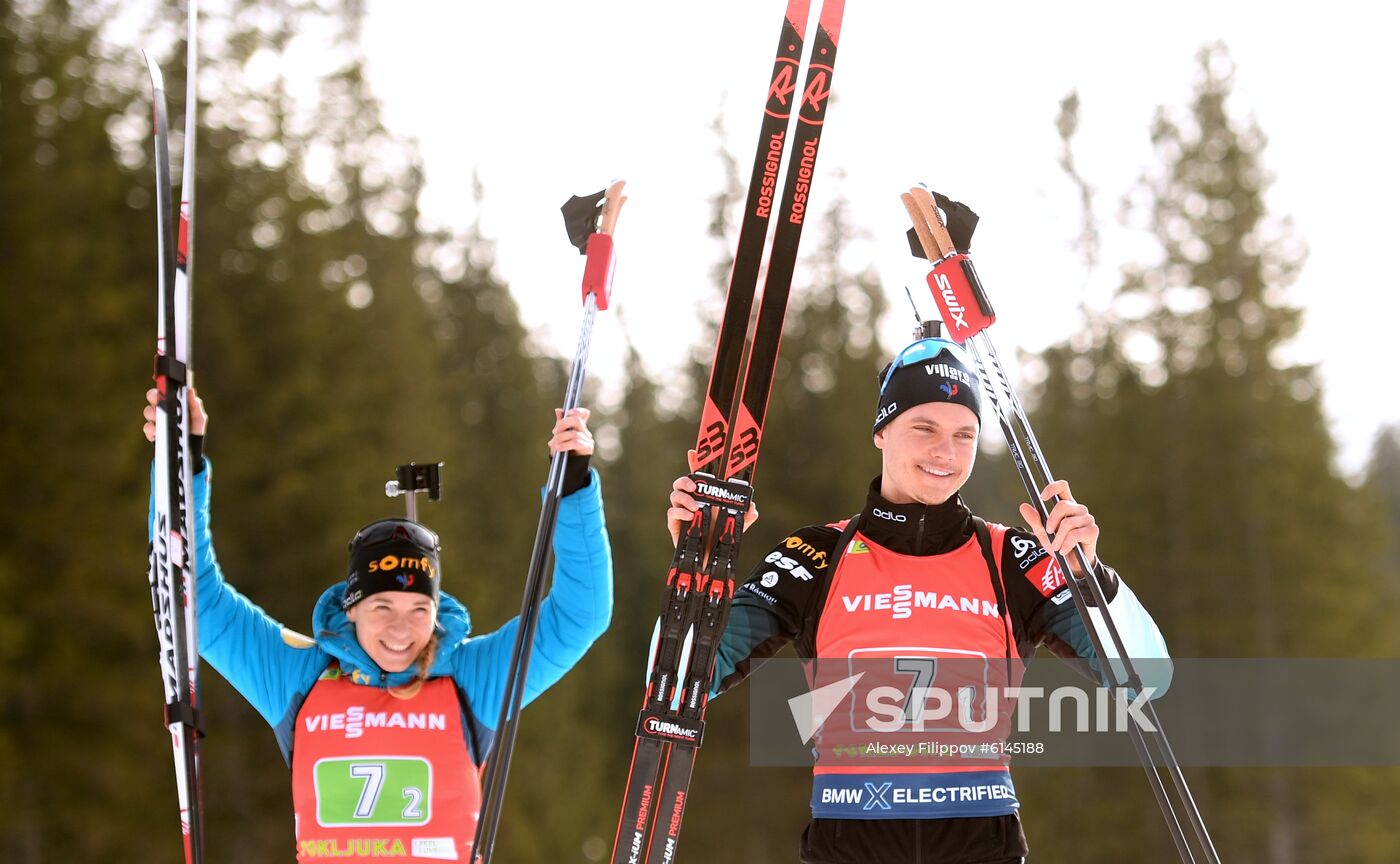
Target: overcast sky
(546,99)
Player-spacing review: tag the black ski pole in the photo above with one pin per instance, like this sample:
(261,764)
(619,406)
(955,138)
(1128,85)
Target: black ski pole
(590,221)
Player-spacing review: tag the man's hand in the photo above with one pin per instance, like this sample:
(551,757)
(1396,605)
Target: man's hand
(1070,522)
(683,506)
(199,420)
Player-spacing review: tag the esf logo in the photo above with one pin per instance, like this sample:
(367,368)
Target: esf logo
(782,562)
(893,517)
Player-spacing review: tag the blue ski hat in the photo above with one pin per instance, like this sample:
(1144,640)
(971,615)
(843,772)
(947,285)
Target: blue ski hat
(929,370)
(392,555)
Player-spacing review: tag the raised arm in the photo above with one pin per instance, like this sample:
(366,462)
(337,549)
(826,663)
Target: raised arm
(578,607)
(264,661)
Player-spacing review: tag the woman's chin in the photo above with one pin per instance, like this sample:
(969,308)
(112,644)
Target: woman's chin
(393,664)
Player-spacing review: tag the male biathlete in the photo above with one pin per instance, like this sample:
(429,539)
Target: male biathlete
(857,589)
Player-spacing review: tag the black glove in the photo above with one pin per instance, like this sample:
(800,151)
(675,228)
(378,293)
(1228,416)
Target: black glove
(576,474)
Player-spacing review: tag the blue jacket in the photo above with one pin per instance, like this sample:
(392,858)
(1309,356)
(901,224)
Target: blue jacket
(274,667)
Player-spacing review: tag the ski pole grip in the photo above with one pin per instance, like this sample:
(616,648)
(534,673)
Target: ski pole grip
(961,302)
(613,199)
(598,269)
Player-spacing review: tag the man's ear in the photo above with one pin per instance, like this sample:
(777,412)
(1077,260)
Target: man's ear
(879,439)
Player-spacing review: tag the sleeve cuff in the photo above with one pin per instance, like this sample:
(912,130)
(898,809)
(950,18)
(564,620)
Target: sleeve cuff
(1108,582)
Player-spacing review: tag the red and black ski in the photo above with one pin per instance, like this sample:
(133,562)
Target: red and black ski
(700,584)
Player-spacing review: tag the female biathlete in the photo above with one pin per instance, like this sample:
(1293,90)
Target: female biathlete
(386,712)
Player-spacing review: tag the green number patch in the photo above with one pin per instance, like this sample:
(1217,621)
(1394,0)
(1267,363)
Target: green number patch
(373,790)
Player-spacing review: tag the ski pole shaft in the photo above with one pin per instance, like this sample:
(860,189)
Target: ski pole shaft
(1131,680)
(597,281)
(498,766)
(964,307)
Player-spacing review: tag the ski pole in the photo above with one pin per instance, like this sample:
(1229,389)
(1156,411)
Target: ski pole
(590,221)
(963,304)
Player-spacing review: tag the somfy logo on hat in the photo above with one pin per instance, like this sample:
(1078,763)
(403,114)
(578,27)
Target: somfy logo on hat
(394,562)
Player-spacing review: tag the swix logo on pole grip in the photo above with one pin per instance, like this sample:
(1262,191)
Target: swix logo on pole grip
(961,304)
(733,494)
(673,729)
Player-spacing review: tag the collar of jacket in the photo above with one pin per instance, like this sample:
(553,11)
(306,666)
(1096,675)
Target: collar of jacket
(336,636)
(915,529)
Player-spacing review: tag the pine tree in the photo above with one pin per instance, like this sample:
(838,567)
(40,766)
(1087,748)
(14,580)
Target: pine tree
(1383,482)
(333,339)
(70,715)
(1205,457)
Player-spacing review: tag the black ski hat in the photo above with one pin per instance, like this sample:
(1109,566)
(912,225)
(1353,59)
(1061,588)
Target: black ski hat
(392,555)
(929,370)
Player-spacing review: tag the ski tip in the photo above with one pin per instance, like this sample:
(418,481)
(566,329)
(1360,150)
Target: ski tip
(157,79)
(830,21)
(798,11)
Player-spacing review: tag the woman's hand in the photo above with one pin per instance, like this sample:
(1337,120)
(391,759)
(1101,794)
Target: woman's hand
(570,434)
(199,420)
